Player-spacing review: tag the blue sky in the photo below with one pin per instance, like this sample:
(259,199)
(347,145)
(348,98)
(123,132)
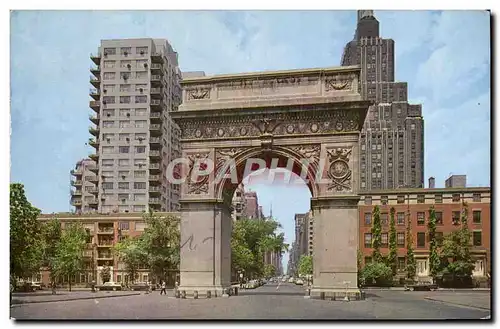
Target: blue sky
(444,57)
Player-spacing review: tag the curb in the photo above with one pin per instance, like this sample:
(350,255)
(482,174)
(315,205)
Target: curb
(72,299)
(459,304)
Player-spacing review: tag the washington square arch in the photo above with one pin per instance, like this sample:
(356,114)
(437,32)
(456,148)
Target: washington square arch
(312,114)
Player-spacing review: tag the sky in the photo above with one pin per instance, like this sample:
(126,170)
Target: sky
(443,55)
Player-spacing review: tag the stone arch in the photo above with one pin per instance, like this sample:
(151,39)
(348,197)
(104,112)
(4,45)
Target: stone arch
(280,153)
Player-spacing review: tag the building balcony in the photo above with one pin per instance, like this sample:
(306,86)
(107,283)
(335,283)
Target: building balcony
(154,177)
(154,189)
(154,167)
(94,156)
(95,105)
(94,142)
(105,257)
(94,131)
(155,92)
(92,201)
(93,190)
(155,201)
(92,179)
(154,154)
(76,182)
(155,116)
(156,66)
(96,58)
(88,253)
(95,93)
(105,243)
(95,70)
(154,140)
(77,172)
(106,231)
(94,169)
(156,58)
(156,78)
(155,128)
(76,202)
(76,193)
(95,118)
(95,81)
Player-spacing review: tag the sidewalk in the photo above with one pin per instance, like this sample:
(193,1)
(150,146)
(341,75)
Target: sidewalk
(480,301)
(439,289)
(46,296)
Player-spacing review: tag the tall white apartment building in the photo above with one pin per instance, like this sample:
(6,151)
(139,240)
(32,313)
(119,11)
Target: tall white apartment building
(136,86)
(84,190)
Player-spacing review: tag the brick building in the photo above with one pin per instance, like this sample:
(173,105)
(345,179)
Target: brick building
(448,203)
(105,231)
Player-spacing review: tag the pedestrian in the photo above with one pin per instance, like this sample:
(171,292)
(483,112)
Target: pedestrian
(163,288)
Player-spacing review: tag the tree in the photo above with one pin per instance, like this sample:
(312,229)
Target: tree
(51,233)
(269,270)
(456,247)
(434,259)
(26,249)
(68,260)
(411,265)
(160,244)
(392,260)
(378,274)
(132,253)
(306,265)
(105,274)
(376,235)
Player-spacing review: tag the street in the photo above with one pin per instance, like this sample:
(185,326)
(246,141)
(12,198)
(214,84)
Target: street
(266,302)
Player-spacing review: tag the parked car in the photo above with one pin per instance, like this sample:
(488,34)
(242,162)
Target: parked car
(109,286)
(139,286)
(299,281)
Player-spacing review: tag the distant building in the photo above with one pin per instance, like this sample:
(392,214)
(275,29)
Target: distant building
(456,181)
(84,192)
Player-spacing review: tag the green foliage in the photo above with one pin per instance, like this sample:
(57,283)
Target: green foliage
(456,247)
(392,260)
(68,259)
(160,243)
(269,270)
(305,265)
(434,259)
(132,253)
(376,235)
(26,246)
(378,274)
(411,263)
(105,274)
(51,236)
(250,240)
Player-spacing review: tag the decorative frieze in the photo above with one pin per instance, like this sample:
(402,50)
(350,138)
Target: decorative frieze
(198,93)
(339,171)
(199,183)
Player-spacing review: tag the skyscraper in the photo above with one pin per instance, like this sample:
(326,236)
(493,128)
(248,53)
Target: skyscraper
(392,138)
(136,86)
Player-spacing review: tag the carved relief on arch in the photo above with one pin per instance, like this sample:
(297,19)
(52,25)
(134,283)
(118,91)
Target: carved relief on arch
(308,152)
(222,156)
(339,171)
(197,185)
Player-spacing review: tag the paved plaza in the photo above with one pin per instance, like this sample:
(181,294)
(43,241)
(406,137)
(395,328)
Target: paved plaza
(266,302)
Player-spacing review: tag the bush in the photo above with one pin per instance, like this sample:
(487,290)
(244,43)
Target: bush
(481,282)
(377,274)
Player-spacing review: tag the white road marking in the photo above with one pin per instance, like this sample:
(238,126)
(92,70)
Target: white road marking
(96,301)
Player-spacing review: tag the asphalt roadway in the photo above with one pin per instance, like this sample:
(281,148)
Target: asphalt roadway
(267,302)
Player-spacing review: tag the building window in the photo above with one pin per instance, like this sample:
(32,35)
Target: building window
(401,263)
(476,238)
(420,198)
(108,99)
(421,239)
(401,199)
(140,123)
(141,99)
(368,218)
(456,197)
(141,50)
(124,99)
(139,173)
(455,217)
(385,240)
(476,216)
(383,199)
(107,186)
(439,218)
(124,226)
(125,51)
(476,197)
(140,185)
(368,200)
(109,64)
(401,218)
(124,149)
(383,218)
(368,240)
(421,218)
(400,239)
(123,185)
(438,198)
(109,75)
